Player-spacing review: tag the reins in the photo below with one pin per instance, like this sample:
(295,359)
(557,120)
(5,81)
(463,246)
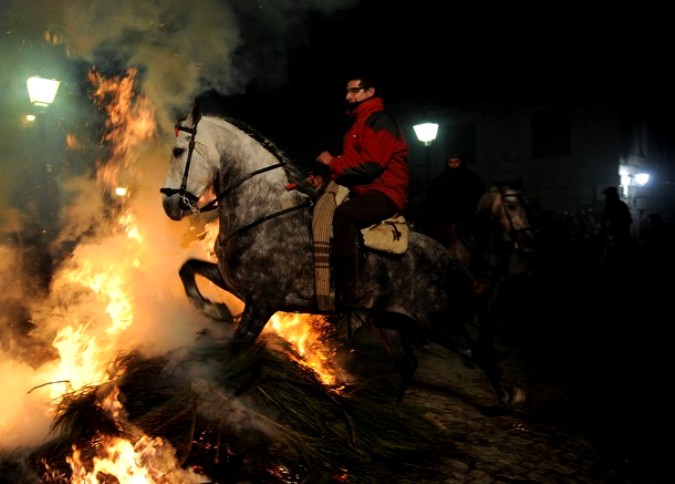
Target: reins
(213,204)
(513,232)
(246,227)
(189,200)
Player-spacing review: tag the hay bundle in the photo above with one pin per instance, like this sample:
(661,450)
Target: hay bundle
(256,416)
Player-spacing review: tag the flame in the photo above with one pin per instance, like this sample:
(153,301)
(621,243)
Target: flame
(131,120)
(148,460)
(90,341)
(137,459)
(307,334)
(87,345)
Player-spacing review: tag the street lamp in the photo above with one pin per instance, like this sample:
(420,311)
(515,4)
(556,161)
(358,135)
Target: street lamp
(642,179)
(42,91)
(426,133)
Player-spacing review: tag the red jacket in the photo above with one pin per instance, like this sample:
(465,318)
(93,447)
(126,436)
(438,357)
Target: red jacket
(374,154)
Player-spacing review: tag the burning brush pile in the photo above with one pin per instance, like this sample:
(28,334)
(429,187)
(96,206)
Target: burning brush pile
(209,414)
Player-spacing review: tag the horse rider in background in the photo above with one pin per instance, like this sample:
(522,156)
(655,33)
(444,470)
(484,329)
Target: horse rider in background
(373,165)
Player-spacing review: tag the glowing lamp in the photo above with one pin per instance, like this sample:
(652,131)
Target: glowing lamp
(642,178)
(426,132)
(42,91)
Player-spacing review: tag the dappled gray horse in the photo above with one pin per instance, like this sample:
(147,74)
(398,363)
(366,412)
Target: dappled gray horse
(265,253)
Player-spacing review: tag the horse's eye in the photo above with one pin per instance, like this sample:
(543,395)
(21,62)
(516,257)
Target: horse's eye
(178,152)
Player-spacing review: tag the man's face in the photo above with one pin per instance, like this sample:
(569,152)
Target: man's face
(356,93)
(454,163)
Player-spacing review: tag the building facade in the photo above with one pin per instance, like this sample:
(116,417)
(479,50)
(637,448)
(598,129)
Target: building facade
(565,153)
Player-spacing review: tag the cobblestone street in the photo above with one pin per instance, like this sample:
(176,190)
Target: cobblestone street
(557,435)
(536,442)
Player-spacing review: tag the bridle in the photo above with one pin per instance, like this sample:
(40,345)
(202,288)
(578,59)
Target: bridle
(514,234)
(188,200)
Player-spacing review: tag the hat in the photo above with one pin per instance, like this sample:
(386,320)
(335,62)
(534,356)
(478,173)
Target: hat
(610,190)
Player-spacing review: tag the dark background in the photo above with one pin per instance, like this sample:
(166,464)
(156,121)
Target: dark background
(459,55)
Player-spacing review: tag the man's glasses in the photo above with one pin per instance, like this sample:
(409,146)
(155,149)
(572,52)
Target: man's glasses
(354,90)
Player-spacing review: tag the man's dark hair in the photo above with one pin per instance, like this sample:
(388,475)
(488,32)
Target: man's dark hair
(459,154)
(366,81)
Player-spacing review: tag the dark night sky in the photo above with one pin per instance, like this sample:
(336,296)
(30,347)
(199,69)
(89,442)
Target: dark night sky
(465,54)
(482,54)
(292,57)
(284,64)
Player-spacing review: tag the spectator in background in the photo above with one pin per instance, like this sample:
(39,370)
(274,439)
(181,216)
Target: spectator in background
(615,225)
(452,199)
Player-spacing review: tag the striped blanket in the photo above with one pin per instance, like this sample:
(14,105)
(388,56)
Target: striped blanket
(390,235)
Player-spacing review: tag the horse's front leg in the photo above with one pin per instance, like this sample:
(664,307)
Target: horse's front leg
(253,320)
(210,271)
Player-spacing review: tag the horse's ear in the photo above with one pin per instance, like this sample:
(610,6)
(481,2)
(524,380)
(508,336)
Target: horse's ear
(196,111)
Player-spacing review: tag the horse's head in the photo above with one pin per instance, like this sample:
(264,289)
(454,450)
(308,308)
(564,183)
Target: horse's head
(192,168)
(505,207)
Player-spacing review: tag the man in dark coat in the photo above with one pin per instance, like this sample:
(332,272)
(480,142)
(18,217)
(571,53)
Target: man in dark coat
(615,225)
(452,199)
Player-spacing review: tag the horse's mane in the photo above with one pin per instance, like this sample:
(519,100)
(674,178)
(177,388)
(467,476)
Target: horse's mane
(214,104)
(484,208)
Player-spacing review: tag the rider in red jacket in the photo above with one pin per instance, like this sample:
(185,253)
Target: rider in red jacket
(374,154)
(374,166)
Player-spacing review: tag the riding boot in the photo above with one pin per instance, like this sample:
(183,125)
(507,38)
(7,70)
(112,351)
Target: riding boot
(348,280)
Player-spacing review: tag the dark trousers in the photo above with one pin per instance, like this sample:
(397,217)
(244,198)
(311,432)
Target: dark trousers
(355,214)
(349,218)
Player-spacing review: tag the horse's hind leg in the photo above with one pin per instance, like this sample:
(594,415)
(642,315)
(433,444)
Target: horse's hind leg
(397,332)
(210,271)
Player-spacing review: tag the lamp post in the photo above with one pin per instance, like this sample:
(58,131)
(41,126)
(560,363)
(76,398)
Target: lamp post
(42,92)
(426,133)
